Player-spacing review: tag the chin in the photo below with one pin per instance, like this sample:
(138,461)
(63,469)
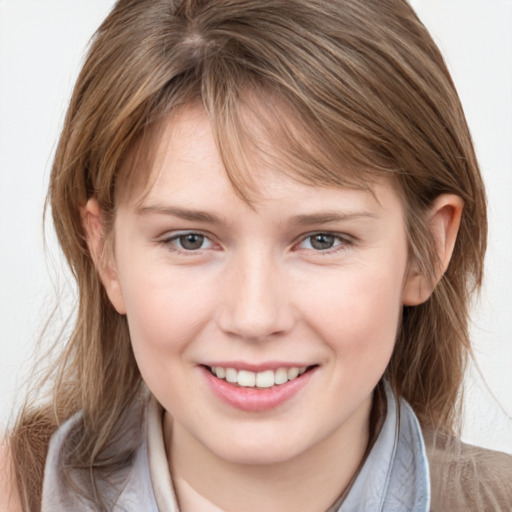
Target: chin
(259,457)
(256,450)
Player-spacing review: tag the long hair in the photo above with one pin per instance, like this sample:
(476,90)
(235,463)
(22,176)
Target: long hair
(352,90)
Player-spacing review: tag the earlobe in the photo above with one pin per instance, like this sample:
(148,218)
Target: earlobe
(443,221)
(415,292)
(94,228)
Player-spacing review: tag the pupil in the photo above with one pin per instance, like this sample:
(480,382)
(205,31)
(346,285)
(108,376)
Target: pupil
(191,241)
(322,241)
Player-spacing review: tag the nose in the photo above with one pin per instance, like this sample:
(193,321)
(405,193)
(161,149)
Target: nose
(256,301)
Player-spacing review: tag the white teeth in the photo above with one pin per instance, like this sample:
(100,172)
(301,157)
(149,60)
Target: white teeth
(293,373)
(246,379)
(265,379)
(231,375)
(281,376)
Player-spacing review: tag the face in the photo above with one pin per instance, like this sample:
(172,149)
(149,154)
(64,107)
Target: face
(261,329)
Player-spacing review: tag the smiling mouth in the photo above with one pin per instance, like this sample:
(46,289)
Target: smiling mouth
(263,380)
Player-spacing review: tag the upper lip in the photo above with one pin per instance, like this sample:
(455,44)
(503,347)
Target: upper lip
(256,367)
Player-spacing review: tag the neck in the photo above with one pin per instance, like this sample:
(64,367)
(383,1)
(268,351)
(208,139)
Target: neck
(312,480)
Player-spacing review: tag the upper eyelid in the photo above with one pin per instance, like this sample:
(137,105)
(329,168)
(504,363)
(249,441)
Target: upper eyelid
(173,235)
(344,240)
(342,236)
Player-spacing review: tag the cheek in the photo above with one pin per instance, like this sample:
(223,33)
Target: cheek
(165,317)
(164,313)
(358,313)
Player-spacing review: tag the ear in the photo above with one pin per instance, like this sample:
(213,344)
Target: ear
(94,227)
(443,220)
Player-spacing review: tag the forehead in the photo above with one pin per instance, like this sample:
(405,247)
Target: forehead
(257,159)
(188,171)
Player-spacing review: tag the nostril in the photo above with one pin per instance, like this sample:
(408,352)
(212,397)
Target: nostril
(256,324)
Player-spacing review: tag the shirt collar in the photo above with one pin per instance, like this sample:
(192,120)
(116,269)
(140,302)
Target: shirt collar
(394,477)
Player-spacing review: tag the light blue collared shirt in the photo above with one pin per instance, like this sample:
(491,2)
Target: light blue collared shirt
(394,477)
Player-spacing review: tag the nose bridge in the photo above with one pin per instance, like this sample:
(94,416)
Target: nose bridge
(256,304)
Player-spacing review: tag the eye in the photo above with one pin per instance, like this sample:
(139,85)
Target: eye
(323,242)
(188,242)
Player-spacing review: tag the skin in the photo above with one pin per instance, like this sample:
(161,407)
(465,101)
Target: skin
(10,499)
(258,290)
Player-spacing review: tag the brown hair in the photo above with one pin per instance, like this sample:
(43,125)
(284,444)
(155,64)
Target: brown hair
(358,90)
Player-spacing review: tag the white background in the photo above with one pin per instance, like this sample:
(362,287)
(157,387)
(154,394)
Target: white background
(41,47)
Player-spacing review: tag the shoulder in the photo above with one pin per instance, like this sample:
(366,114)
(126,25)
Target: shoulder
(466,477)
(10,500)
(72,482)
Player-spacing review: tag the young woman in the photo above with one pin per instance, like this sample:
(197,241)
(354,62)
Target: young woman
(276,220)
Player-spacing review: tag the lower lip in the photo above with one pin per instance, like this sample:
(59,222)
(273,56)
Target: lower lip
(255,399)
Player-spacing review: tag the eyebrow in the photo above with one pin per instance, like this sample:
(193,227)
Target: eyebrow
(182,213)
(331,216)
(310,219)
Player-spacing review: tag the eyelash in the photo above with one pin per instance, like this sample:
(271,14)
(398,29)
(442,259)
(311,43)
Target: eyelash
(342,242)
(169,242)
